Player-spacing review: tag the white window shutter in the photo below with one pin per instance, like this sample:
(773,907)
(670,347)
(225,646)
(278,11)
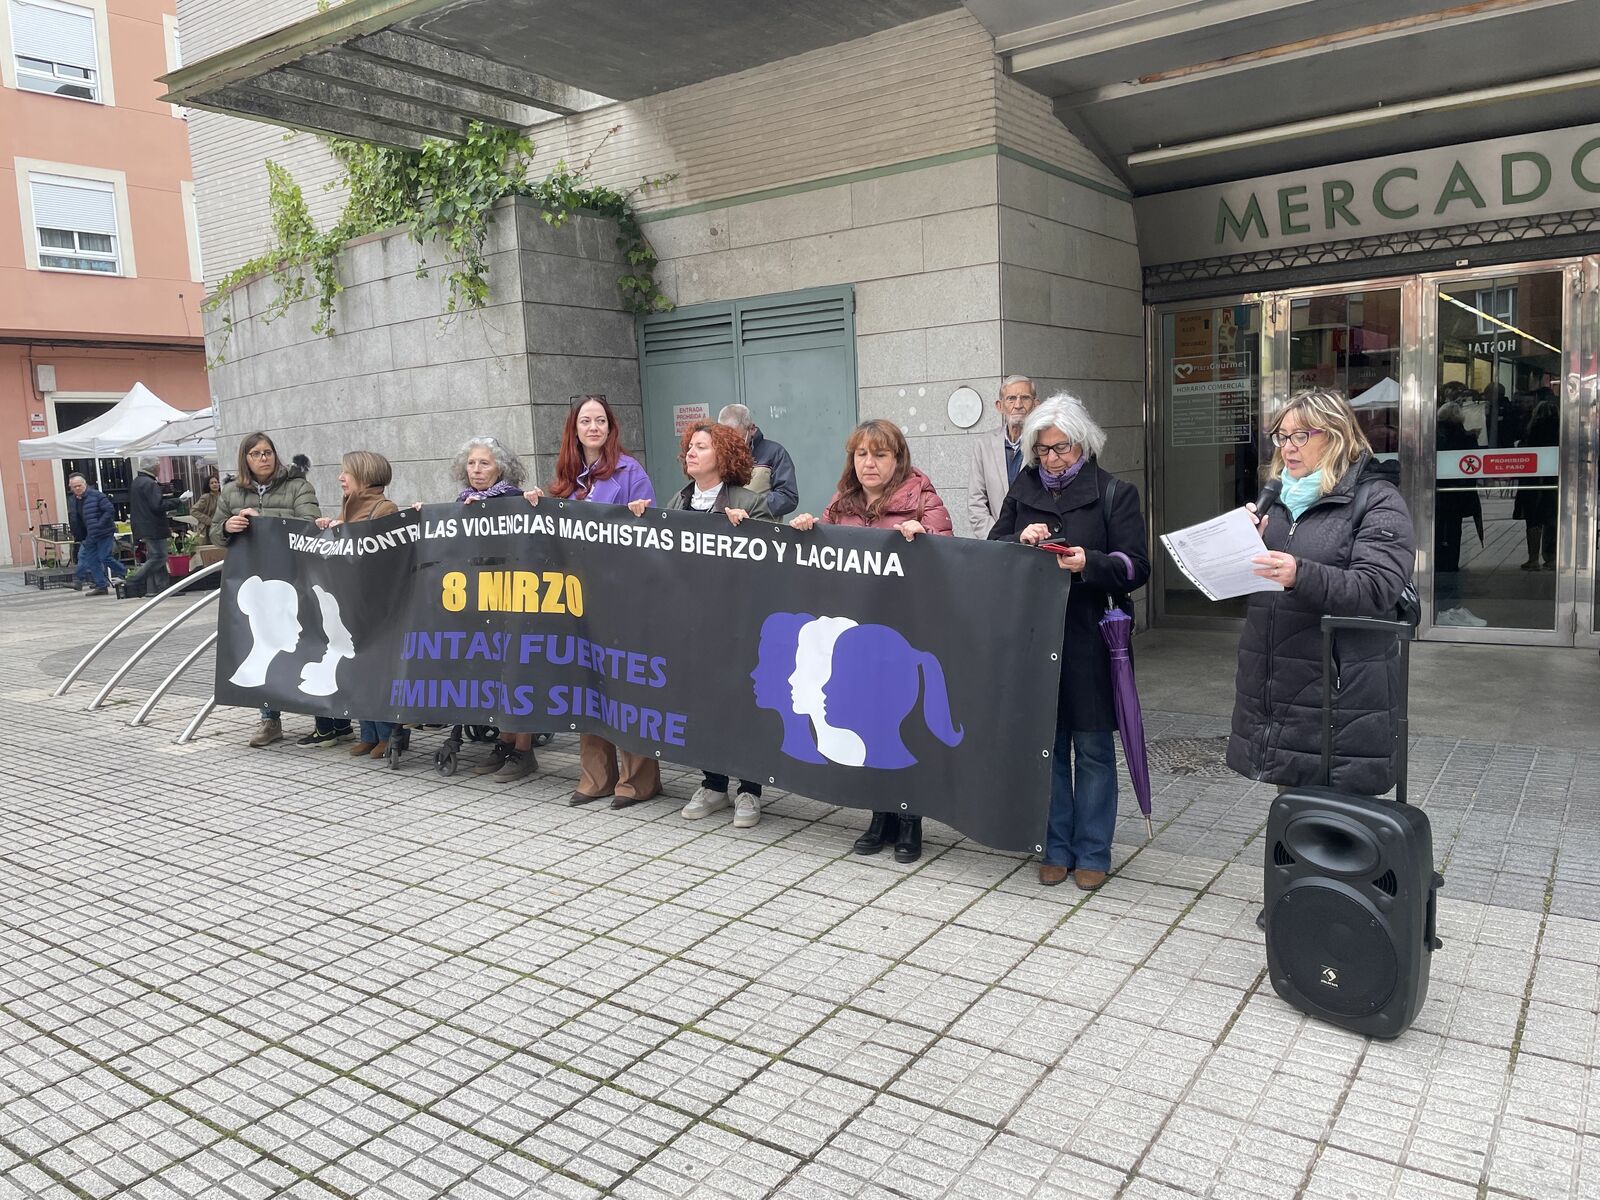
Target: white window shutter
(60,34)
(82,205)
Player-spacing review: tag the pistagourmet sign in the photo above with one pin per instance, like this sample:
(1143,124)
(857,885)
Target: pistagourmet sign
(845,664)
(1554,171)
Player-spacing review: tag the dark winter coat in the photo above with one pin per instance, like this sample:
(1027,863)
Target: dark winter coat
(148,509)
(1077,516)
(94,516)
(1341,571)
(774,474)
(289,495)
(731,496)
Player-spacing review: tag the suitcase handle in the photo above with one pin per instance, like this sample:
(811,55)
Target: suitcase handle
(1405,633)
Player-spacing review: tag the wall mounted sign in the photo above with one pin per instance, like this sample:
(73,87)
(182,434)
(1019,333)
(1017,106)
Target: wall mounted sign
(1554,171)
(965,407)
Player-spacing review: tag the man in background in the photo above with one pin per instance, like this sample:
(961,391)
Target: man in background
(774,473)
(148,509)
(997,457)
(94,524)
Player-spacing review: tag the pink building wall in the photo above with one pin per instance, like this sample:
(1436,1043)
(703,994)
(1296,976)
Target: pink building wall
(101,333)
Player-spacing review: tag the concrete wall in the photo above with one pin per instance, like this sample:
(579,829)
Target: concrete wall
(401,378)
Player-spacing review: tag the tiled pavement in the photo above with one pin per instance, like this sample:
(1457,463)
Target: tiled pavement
(235,973)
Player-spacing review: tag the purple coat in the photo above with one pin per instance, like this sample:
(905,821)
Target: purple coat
(628,482)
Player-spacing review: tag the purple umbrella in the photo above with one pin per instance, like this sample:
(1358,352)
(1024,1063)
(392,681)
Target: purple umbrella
(1117,629)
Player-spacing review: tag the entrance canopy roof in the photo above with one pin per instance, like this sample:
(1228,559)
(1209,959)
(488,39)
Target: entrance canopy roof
(1175,93)
(395,71)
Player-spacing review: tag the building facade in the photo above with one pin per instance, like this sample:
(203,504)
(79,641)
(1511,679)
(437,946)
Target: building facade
(1180,215)
(100,269)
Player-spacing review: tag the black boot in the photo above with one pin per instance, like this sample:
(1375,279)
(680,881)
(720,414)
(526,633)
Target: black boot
(909,848)
(882,829)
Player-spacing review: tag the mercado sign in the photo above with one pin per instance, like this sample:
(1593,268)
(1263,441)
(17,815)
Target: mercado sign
(1554,171)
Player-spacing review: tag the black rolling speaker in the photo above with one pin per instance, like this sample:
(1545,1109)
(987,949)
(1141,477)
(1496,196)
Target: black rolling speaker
(1351,893)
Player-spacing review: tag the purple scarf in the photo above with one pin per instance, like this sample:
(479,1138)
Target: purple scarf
(499,488)
(1055,482)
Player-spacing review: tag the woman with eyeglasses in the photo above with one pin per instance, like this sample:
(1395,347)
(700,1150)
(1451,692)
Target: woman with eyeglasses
(266,486)
(1065,501)
(1338,542)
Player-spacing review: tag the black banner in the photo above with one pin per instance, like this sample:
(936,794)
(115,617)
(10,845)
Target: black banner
(844,664)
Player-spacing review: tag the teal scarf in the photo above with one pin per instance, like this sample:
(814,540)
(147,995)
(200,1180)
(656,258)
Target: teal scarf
(1300,494)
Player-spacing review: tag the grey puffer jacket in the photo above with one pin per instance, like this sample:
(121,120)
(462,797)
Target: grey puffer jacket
(1343,571)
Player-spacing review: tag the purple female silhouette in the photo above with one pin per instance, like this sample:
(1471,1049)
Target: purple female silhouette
(775,663)
(877,676)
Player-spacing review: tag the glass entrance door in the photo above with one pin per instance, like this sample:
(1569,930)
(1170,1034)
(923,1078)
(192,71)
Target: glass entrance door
(1500,407)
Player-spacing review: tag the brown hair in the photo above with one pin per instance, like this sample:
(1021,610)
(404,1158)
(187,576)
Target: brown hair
(246,478)
(368,468)
(1330,412)
(875,435)
(734,463)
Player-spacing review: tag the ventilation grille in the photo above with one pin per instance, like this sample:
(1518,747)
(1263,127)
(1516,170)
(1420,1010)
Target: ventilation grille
(800,319)
(1387,884)
(702,332)
(1281,857)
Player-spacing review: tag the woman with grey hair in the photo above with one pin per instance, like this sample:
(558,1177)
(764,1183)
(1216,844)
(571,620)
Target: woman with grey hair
(1065,501)
(487,470)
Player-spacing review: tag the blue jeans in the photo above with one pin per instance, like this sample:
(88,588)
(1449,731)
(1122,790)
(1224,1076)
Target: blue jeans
(1083,811)
(95,560)
(377,731)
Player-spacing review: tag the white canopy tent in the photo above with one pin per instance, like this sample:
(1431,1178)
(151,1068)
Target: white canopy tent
(192,435)
(133,419)
(136,415)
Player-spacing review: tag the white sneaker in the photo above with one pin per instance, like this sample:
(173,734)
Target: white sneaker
(746,810)
(703,803)
(1460,617)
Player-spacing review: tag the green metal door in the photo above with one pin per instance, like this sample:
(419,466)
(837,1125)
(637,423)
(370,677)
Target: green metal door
(789,358)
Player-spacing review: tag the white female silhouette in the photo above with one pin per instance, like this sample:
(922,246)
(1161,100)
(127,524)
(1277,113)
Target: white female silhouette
(272,609)
(813,664)
(319,678)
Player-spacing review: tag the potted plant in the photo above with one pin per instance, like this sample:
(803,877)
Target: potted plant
(183,547)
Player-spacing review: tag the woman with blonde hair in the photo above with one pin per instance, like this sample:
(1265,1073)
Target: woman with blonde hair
(1338,542)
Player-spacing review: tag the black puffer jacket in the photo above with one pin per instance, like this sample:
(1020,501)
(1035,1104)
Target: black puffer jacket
(1343,571)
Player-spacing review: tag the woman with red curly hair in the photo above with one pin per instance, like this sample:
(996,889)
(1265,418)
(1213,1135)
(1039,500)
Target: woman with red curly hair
(718,464)
(592,466)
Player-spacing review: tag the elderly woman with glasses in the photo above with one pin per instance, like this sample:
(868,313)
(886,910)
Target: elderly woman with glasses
(1338,542)
(1064,500)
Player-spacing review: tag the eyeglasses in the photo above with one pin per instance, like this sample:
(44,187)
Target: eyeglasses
(1298,438)
(260,454)
(1059,449)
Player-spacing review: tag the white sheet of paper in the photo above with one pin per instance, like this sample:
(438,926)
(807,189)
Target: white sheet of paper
(1215,556)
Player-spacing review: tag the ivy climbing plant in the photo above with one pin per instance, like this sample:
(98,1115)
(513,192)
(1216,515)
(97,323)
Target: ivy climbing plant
(443,192)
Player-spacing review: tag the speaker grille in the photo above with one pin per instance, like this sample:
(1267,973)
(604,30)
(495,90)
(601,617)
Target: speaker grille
(1336,952)
(1387,884)
(1280,856)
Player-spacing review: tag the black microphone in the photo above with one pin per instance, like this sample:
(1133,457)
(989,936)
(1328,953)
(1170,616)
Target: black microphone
(1268,497)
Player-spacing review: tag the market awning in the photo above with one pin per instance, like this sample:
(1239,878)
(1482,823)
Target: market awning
(395,71)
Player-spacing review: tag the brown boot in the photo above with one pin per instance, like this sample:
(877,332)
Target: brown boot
(519,764)
(1050,875)
(379,749)
(361,748)
(1088,880)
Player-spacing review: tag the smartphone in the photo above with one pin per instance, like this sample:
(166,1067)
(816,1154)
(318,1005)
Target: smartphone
(1060,548)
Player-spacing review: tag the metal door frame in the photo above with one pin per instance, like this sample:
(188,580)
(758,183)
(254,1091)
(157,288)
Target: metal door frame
(1575,610)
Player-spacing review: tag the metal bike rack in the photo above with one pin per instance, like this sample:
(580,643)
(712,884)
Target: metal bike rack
(144,608)
(193,726)
(133,659)
(161,690)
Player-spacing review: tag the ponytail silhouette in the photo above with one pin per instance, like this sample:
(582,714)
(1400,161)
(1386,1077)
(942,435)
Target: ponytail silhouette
(876,681)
